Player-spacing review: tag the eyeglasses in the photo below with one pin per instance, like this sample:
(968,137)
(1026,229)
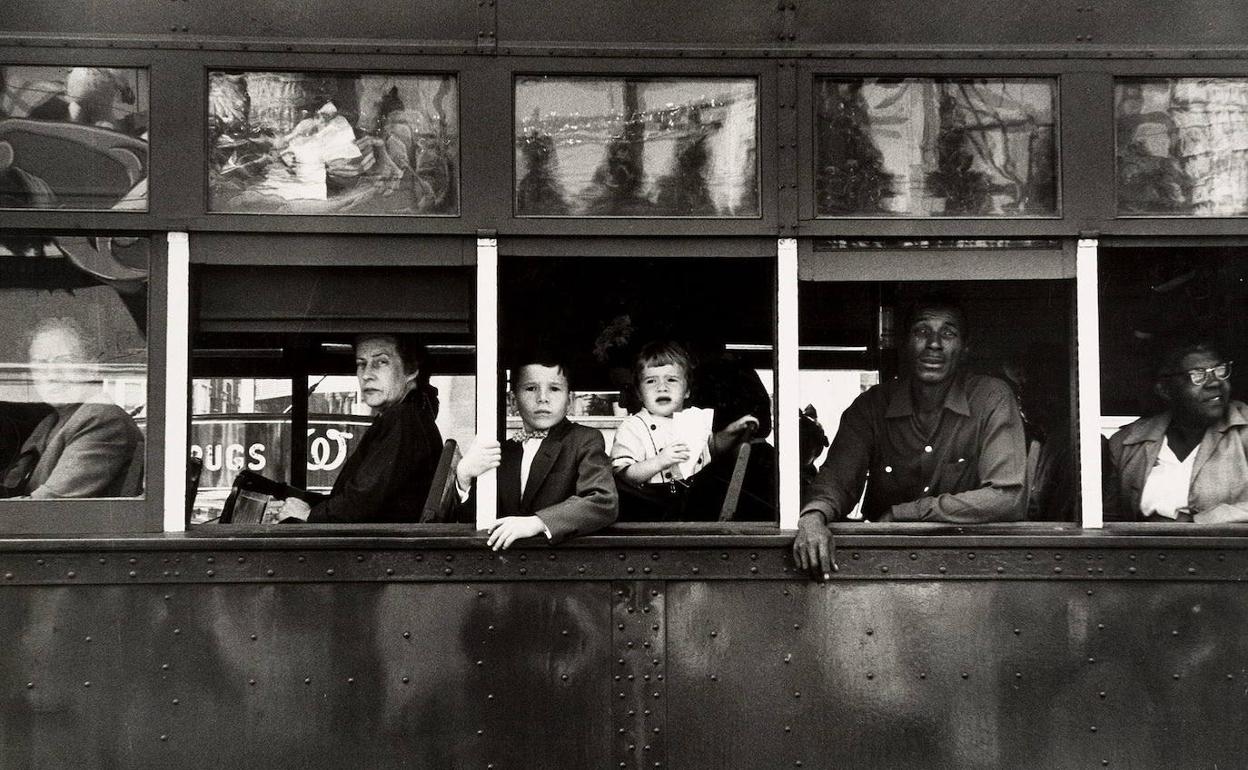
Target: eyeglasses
(1199,377)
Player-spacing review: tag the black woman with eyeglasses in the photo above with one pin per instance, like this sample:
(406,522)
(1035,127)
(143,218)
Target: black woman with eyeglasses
(1189,463)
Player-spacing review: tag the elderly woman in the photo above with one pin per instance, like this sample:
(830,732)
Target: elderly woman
(388,475)
(88,446)
(1189,463)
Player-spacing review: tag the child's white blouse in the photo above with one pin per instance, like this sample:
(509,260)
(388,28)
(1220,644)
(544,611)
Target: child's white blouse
(643,435)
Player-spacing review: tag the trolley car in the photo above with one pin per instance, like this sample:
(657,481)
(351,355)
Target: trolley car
(228,193)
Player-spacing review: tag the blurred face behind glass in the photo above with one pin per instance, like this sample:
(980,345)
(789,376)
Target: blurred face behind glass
(541,396)
(663,389)
(935,343)
(384,379)
(1202,404)
(61,370)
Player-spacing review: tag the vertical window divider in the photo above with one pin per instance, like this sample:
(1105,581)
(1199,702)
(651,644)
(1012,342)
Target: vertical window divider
(487,370)
(177,382)
(1087,314)
(787,375)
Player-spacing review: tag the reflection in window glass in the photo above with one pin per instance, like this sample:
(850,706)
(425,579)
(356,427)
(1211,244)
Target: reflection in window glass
(1182,146)
(73,366)
(73,138)
(922,147)
(659,147)
(333,143)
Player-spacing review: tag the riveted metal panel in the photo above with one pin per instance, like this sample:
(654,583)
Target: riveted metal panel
(639,709)
(306,675)
(928,674)
(380,20)
(728,23)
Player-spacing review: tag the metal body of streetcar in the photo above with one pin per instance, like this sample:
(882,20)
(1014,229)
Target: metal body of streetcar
(228,194)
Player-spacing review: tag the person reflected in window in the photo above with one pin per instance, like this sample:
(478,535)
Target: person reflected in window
(87,446)
(1190,462)
(938,445)
(554,477)
(387,477)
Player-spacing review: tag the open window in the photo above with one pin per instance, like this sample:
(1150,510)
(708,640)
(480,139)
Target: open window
(1165,309)
(274,389)
(1017,298)
(599,312)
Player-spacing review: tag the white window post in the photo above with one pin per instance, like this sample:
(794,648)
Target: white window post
(177,373)
(487,370)
(1087,314)
(787,374)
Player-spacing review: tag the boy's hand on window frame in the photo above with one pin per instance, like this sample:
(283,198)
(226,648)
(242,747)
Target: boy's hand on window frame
(483,455)
(509,529)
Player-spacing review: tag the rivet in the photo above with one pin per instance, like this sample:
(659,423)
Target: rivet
(1092,728)
(630,570)
(695,570)
(269,572)
(307,681)
(646,570)
(210,573)
(580,570)
(1101,693)
(797,626)
(1089,592)
(564,677)
(132,560)
(788,729)
(418,557)
(1175,632)
(242,559)
(1000,569)
(621,556)
(133,573)
(359,558)
(971,556)
(8,576)
(451,557)
(714,633)
(251,681)
(71,574)
(164,666)
(965,675)
(1131,570)
(448,571)
(175,701)
(943,570)
(329,571)
(1018,674)
(654,592)
(86,684)
(211,560)
(922,675)
(1191,570)
(103,561)
(164,737)
(1230,676)
(30,685)
(724,556)
(407,634)
(797,694)
(854,556)
(390,571)
(1176,676)
(1018,631)
(1028,557)
(870,676)
(1091,660)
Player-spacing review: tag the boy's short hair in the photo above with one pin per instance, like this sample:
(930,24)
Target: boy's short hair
(662,353)
(540,357)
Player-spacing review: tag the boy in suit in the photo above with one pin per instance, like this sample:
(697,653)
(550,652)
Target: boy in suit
(555,477)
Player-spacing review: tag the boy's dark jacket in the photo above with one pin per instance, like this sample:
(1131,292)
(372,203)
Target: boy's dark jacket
(570,487)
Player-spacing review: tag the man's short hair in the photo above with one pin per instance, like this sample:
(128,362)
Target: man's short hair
(662,353)
(936,301)
(1172,349)
(539,357)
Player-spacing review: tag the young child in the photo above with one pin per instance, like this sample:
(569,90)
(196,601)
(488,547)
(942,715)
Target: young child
(554,476)
(659,448)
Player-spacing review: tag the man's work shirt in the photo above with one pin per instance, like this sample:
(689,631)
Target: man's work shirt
(970,469)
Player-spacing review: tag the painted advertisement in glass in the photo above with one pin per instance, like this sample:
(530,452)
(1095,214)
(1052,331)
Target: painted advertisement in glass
(73,366)
(1182,146)
(616,147)
(923,147)
(73,138)
(333,143)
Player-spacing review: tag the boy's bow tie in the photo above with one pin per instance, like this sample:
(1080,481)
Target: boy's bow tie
(525,434)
